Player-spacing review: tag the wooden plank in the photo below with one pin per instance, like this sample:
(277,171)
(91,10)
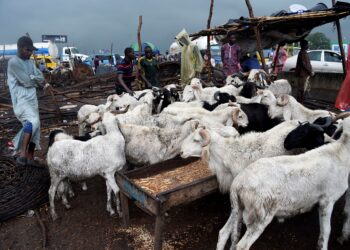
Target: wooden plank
(190,193)
(135,193)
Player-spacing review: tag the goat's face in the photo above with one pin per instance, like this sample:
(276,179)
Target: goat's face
(267,97)
(188,94)
(306,135)
(234,80)
(192,146)
(195,82)
(239,118)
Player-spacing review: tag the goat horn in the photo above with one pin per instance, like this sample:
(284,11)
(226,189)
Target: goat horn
(142,95)
(206,136)
(316,126)
(327,123)
(217,96)
(342,115)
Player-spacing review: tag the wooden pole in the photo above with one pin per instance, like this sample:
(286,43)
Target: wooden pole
(257,34)
(139,35)
(340,42)
(140,45)
(276,57)
(208,40)
(4,70)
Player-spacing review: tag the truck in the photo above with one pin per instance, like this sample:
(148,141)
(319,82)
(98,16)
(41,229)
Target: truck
(10,50)
(73,52)
(45,49)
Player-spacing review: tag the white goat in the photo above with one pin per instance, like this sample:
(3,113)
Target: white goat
(285,186)
(287,108)
(346,227)
(102,155)
(150,145)
(280,87)
(227,157)
(230,116)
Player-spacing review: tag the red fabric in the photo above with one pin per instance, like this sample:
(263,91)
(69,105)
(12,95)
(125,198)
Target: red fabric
(343,99)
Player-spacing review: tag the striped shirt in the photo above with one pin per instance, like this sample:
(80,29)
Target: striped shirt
(126,69)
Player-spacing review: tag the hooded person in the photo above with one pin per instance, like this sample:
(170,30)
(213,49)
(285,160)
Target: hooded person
(23,79)
(191,58)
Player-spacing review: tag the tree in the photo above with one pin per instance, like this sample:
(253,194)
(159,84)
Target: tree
(318,40)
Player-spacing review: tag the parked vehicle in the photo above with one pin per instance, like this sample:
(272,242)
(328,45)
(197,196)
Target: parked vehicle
(50,64)
(325,61)
(105,59)
(73,52)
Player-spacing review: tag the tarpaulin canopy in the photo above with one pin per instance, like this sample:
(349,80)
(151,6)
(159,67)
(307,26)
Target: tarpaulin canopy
(280,27)
(135,47)
(343,99)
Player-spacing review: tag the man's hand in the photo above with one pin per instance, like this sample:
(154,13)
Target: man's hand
(312,73)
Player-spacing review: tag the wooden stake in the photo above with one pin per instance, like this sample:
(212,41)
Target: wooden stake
(139,35)
(208,40)
(276,57)
(257,34)
(340,42)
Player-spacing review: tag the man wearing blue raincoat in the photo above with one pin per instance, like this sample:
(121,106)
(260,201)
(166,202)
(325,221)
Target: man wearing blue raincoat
(23,78)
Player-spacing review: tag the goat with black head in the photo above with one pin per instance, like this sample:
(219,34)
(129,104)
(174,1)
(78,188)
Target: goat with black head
(307,135)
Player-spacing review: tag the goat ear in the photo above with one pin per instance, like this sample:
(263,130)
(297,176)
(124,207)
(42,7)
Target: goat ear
(283,100)
(194,125)
(259,92)
(205,136)
(232,104)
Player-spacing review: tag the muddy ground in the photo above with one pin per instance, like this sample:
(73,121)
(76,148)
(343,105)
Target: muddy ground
(194,226)
(87,225)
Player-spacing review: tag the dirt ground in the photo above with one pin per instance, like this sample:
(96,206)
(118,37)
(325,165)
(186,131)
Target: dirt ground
(87,225)
(194,226)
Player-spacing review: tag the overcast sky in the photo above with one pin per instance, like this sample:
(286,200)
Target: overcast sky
(95,24)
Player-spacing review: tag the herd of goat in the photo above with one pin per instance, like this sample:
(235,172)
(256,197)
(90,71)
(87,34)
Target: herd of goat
(275,157)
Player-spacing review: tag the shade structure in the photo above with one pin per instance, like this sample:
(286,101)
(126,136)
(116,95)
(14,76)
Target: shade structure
(135,47)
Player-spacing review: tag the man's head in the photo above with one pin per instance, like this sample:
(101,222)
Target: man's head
(304,44)
(148,52)
(231,38)
(129,53)
(25,47)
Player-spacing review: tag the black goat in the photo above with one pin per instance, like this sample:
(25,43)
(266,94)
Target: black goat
(258,118)
(220,99)
(306,135)
(249,90)
(55,132)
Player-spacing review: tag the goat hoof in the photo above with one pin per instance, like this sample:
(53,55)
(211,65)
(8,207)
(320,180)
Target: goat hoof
(54,217)
(111,212)
(68,206)
(84,187)
(120,214)
(341,240)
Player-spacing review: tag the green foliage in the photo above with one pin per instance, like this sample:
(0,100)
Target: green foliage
(318,40)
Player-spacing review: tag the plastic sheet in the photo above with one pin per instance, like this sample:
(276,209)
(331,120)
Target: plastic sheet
(343,99)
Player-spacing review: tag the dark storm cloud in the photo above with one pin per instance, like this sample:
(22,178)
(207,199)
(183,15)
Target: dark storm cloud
(95,24)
